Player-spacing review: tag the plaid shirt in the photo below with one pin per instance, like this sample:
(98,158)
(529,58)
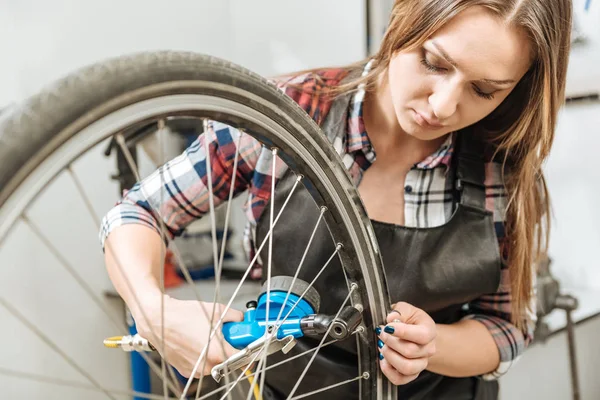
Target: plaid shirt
(179,192)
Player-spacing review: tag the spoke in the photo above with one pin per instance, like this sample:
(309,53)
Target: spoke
(213,221)
(163,232)
(287,360)
(216,264)
(162,227)
(133,167)
(220,389)
(338,247)
(352,288)
(243,279)
(83,284)
(224,244)
(128,157)
(312,236)
(161,132)
(243,374)
(305,352)
(38,332)
(279,324)
(214,330)
(229,201)
(71,270)
(173,386)
(263,360)
(363,376)
(78,385)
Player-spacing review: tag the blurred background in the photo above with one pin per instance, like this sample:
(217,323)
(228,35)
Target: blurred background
(43,41)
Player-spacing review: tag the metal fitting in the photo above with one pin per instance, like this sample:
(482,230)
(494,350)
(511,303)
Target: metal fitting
(129,343)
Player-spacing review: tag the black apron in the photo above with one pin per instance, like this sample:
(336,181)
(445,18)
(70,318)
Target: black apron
(437,269)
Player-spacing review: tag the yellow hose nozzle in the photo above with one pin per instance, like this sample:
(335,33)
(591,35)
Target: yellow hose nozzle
(113,342)
(129,343)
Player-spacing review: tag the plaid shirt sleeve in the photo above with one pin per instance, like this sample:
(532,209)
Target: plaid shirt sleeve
(494,310)
(177,192)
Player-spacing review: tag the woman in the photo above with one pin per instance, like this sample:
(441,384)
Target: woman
(462,95)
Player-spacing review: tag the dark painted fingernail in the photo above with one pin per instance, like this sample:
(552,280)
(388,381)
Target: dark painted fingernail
(388,329)
(380,343)
(378,331)
(380,356)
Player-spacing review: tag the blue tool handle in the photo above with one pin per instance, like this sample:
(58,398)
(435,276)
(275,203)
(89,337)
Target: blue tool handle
(255,323)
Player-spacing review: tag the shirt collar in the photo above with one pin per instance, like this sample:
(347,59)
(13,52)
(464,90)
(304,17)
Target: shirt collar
(442,156)
(357,138)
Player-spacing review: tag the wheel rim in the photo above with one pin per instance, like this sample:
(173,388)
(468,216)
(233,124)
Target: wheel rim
(155,108)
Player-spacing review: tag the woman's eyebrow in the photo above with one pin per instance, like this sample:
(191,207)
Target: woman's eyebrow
(449,59)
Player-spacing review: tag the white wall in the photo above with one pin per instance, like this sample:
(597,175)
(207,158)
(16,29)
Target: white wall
(544,373)
(41,41)
(572,176)
(583,76)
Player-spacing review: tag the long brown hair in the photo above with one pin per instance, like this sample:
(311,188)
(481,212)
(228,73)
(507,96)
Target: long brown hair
(521,129)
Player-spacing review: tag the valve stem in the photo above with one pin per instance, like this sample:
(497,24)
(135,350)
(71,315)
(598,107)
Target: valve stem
(129,343)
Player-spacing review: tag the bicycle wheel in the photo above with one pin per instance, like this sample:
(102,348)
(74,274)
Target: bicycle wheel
(43,140)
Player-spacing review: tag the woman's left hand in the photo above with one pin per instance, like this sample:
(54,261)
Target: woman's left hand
(405,346)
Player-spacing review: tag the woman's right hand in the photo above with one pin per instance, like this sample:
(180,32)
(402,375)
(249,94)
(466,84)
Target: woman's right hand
(187,329)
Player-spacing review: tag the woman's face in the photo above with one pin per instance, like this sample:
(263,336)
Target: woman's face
(459,75)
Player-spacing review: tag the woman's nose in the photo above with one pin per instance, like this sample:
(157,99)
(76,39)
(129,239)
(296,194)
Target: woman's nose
(445,98)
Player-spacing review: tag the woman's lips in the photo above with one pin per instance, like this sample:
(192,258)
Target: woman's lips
(425,122)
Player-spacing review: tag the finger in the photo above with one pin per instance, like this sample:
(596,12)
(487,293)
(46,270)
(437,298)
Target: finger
(409,314)
(207,371)
(396,315)
(407,349)
(420,334)
(218,345)
(232,315)
(393,375)
(403,365)
(186,371)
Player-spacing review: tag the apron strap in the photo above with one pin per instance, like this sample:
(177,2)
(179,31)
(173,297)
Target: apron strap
(335,123)
(470,170)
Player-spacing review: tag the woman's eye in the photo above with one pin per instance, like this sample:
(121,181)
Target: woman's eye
(429,65)
(478,92)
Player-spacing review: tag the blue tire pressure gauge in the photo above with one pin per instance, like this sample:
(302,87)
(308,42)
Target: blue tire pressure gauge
(290,309)
(281,306)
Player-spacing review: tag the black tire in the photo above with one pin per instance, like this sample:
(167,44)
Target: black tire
(38,127)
